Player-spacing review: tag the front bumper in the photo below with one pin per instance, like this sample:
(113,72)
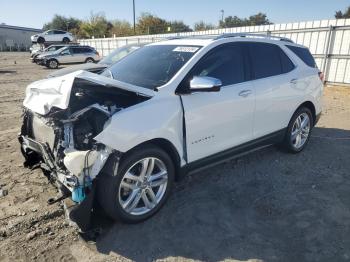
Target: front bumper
(37,154)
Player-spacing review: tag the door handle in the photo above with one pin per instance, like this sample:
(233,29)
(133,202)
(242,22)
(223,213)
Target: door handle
(245,93)
(294,81)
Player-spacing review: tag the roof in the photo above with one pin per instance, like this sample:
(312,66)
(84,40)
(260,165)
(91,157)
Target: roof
(190,41)
(203,40)
(20,28)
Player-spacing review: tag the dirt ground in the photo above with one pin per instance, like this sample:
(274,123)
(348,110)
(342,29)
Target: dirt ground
(266,206)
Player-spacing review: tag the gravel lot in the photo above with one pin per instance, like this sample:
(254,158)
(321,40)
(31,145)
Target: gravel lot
(266,206)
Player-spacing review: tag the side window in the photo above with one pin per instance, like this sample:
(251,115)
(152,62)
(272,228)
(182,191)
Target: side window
(287,64)
(66,52)
(224,62)
(265,60)
(77,50)
(87,50)
(304,54)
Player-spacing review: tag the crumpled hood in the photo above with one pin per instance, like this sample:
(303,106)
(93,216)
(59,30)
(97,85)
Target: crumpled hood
(44,94)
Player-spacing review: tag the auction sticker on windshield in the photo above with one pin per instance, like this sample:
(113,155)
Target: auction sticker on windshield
(187,49)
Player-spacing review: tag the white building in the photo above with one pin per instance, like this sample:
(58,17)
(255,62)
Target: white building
(16,37)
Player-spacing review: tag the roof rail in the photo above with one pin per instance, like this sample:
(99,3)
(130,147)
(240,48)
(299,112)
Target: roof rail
(227,35)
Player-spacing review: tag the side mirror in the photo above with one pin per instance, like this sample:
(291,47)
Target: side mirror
(205,84)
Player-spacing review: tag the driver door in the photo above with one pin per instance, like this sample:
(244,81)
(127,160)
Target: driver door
(217,121)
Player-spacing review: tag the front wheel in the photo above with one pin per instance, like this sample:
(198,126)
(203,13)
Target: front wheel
(141,186)
(53,64)
(299,130)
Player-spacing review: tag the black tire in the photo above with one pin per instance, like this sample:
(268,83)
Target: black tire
(52,64)
(66,40)
(89,60)
(287,143)
(109,184)
(41,40)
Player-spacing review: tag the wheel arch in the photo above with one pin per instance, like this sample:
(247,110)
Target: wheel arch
(311,107)
(168,147)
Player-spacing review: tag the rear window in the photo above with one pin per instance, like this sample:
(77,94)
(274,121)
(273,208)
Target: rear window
(304,54)
(268,60)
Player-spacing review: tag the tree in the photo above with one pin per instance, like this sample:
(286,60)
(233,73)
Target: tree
(259,19)
(151,24)
(201,25)
(178,26)
(232,21)
(235,21)
(96,26)
(63,23)
(339,14)
(121,28)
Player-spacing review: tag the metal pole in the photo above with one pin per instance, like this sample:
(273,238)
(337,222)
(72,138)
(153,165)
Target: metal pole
(329,46)
(133,3)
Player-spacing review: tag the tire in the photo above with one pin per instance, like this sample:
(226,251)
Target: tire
(66,40)
(296,134)
(41,40)
(117,200)
(89,60)
(52,63)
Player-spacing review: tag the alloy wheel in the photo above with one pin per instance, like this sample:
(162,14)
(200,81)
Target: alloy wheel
(143,186)
(300,130)
(53,64)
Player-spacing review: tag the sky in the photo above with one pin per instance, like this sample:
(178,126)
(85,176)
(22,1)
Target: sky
(36,13)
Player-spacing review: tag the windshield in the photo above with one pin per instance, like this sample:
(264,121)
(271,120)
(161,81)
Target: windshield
(151,66)
(118,54)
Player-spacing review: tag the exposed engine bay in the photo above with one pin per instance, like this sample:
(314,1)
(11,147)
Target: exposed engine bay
(61,142)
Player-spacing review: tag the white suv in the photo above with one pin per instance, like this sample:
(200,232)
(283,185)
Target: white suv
(51,36)
(164,110)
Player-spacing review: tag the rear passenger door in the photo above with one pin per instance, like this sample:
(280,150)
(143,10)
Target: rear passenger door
(273,75)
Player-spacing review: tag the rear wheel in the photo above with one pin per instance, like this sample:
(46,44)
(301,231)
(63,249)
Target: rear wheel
(53,64)
(141,186)
(299,130)
(66,40)
(89,60)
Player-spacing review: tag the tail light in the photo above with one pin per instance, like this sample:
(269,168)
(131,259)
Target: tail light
(321,75)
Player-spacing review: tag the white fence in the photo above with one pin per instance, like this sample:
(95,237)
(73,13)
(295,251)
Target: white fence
(328,41)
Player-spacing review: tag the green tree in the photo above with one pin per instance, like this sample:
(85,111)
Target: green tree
(232,21)
(63,23)
(235,21)
(259,19)
(151,24)
(96,26)
(201,25)
(121,28)
(339,14)
(178,26)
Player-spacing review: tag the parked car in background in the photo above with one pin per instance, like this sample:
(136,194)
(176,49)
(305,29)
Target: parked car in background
(53,36)
(169,108)
(107,61)
(48,50)
(70,55)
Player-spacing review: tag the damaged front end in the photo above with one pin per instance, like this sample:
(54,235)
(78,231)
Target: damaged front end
(62,116)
